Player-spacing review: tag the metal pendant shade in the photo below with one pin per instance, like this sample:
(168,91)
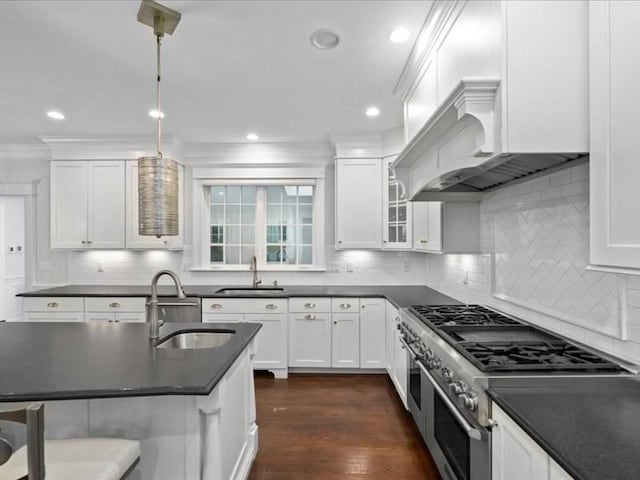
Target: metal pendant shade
(158,176)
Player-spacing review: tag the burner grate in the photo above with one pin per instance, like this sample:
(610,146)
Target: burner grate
(544,355)
(454,315)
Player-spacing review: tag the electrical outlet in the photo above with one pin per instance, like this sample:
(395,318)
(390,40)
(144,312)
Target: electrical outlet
(407,266)
(465,278)
(334,267)
(349,266)
(99,267)
(19,248)
(12,249)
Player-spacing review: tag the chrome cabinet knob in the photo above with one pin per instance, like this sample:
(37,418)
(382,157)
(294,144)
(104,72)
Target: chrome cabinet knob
(345,305)
(309,305)
(114,305)
(53,305)
(216,306)
(309,317)
(271,306)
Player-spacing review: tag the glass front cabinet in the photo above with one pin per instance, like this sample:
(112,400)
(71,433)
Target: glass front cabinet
(396,223)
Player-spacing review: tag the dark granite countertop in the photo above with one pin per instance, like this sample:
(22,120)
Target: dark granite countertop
(399,295)
(589,426)
(58,361)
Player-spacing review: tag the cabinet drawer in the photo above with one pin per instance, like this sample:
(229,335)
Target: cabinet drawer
(53,304)
(244,305)
(345,305)
(222,317)
(114,304)
(308,304)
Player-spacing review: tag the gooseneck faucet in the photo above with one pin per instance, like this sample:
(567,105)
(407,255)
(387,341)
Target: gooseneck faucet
(152,307)
(253,266)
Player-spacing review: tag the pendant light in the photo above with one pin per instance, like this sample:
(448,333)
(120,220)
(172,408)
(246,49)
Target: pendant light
(157,175)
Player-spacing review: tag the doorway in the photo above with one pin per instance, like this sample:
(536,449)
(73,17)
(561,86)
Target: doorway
(12,256)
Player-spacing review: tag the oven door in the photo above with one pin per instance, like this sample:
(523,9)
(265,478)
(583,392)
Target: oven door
(417,384)
(460,448)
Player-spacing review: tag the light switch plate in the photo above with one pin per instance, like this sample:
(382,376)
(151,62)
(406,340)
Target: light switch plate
(349,266)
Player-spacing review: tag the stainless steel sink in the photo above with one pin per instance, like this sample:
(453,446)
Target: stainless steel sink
(193,340)
(250,291)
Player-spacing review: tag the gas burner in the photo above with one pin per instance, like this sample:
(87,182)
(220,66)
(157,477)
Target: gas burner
(454,315)
(556,355)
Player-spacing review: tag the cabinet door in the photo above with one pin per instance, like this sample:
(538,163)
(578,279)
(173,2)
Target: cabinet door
(69,211)
(71,317)
(130,317)
(271,341)
(514,453)
(400,367)
(99,317)
(372,333)
(106,205)
(133,240)
(345,340)
(427,226)
(309,340)
(391,321)
(358,203)
(396,212)
(613,160)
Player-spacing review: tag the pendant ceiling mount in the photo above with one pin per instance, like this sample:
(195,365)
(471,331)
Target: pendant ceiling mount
(158,176)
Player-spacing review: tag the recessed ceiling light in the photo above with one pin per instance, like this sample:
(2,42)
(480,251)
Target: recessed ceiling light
(324,39)
(156,114)
(372,112)
(55,115)
(252,136)
(399,35)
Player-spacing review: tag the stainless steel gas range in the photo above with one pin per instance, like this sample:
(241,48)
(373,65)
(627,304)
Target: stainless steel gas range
(455,351)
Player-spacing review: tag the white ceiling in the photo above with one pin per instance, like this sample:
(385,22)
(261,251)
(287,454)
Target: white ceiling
(230,68)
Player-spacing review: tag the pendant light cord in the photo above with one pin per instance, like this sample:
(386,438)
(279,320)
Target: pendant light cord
(159,128)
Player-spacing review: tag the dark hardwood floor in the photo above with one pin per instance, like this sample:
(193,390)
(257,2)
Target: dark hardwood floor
(316,427)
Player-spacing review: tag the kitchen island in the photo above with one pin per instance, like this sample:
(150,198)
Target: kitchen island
(193,410)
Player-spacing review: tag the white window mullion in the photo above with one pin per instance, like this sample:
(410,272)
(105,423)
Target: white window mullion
(261,226)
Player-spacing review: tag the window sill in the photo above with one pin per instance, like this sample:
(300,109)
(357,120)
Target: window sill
(270,268)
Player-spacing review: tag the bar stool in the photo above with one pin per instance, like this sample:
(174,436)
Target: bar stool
(68,459)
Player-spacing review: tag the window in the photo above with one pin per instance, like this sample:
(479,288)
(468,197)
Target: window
(274,222)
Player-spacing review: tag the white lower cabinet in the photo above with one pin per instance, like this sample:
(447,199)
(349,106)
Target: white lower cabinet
(271,340)
(310,340)
(115,310)
(397,359)
(345,340)
(372,332)
(516,455)
(53,309)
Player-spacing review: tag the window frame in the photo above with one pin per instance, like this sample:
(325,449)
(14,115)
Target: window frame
(201,223)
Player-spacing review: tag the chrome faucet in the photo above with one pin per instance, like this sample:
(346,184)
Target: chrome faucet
(253,266)
(152,307)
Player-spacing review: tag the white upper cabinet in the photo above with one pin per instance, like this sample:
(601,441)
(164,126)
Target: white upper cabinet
(396,212)
(358,206)
(489,82)
(87,204)
(614,166)
(427,227)
(134,240)
(446,227)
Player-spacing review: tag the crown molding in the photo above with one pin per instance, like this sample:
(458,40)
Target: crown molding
(258,154)
(111,148)
(358,146)
(24,151)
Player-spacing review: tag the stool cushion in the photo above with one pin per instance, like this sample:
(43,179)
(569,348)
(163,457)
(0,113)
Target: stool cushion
(78,459)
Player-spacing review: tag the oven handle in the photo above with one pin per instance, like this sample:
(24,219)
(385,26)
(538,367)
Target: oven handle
(408,348)
(470,429)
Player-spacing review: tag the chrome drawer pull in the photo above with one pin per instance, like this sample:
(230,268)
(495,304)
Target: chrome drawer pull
(53,305)
(309,305)
(216,306)
(345,305)
(114,305)
(271,306)
(309,317)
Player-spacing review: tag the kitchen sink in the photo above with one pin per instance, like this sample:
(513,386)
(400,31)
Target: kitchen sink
(193,340)
(250,291)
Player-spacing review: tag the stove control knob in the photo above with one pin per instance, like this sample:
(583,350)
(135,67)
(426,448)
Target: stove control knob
(470,401)
(428,354)
(458,388)
(435,364)
(447,375)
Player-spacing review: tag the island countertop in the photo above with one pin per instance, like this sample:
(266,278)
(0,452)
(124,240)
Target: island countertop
(399,295)
(57,361)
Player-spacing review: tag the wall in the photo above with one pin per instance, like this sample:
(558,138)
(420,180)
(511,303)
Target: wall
(535,250)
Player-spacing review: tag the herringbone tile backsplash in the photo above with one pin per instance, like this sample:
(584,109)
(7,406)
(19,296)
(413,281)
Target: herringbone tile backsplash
(535,244)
